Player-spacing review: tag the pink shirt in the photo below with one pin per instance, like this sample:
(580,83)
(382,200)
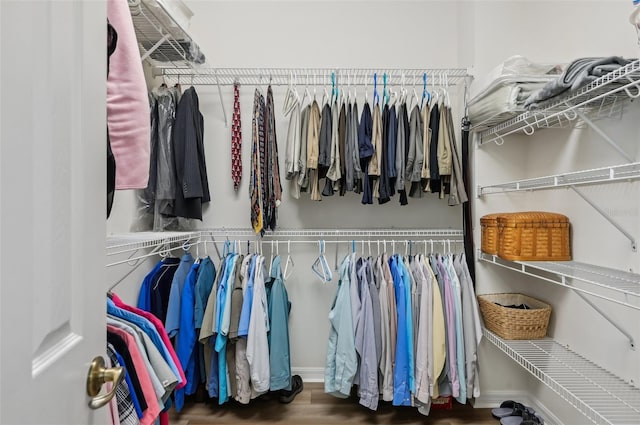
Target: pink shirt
(157,323)
(127,103)
(153,408)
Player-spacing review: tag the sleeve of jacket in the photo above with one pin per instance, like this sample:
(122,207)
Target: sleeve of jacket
(419,159)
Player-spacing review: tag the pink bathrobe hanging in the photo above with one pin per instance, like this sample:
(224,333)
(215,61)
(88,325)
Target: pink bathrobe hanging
(127,103)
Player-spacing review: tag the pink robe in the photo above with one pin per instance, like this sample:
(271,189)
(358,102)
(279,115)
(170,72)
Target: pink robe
(127,103)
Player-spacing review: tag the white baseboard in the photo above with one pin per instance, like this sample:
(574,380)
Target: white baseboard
(309,374)
(491,399)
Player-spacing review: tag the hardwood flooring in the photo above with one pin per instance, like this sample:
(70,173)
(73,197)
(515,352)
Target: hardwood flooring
(313,406)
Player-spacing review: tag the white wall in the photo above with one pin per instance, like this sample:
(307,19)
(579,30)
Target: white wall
(411,34)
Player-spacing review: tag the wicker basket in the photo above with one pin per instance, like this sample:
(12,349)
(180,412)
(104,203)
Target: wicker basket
(489,239)
(513,323)
(534,236)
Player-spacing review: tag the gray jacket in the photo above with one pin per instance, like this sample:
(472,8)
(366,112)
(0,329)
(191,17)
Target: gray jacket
(413,169)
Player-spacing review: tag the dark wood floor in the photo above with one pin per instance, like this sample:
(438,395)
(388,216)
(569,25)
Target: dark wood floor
(313,406)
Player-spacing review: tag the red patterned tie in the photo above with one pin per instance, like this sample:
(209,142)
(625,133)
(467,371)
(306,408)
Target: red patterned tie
(236,139)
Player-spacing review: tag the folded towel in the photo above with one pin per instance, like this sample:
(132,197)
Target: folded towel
(579,73)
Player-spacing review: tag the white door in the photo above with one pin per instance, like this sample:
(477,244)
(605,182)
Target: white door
(52,208)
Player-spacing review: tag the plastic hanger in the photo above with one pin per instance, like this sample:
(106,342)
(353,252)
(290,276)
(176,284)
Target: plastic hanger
(385,92)
(376,97)
(320,267)
(425,93)
(325,97)
(289,261)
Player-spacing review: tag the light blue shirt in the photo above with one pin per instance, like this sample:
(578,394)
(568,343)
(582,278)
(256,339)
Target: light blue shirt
(172,322)
(342,361)
(245,315)
(409,328)
(401,384)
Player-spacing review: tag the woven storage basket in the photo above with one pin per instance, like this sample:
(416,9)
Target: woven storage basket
(489,237)
(534,236)
(513,323)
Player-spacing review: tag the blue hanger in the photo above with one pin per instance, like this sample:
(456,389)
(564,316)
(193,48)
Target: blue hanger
(376,97)
(425,93)
(353,246)
(334,93)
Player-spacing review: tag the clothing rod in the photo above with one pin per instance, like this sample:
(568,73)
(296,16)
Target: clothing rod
(343,77)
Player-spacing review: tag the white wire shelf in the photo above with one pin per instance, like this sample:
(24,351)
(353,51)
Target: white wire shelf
(599,395)
(609,284)
(313,76)
(584,177)
(163,41)
(604,98)
(126,248)
(337,233)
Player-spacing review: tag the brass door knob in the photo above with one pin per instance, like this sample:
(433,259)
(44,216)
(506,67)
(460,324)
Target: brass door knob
(98,375)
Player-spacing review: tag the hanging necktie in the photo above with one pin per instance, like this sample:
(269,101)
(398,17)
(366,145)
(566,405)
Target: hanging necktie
(236,139)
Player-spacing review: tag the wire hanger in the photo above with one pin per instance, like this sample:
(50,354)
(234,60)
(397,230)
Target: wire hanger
(320,267)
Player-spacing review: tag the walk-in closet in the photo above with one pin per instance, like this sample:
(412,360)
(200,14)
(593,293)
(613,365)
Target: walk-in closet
(320,212)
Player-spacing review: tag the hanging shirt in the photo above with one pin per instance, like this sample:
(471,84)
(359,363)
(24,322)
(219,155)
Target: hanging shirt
(223,314)
(172,321)
(386,368)
(278,337)
(342,147)
(434,170)
(302,181)
(147,327)
(383,184)
(160,287)
(186,337)
(424,340)
(247,301)
(124,343)
(257,342)
(313,150)
(426,143)
(416,153)
(128,411)
(342,360)
(442,384)
(460,353)
(365,343)
(450,313)
(157,324)
(392,140)
(291,106)
(365,149)
(401,384)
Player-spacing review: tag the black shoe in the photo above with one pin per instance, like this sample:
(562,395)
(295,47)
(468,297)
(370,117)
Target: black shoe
(287,396)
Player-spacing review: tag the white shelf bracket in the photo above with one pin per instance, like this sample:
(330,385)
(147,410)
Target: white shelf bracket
(605,136)
(608,217)
(609,319)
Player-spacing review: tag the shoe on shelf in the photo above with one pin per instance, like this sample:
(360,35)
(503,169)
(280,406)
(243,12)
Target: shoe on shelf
(287,396)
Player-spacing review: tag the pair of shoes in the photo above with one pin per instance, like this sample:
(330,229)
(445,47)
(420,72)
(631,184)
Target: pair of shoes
(513,413)
(287,396)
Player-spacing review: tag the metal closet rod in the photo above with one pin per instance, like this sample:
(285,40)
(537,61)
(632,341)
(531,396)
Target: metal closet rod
(315,76)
